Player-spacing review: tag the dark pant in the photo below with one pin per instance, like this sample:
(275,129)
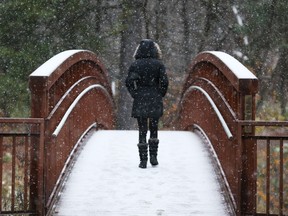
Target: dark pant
(143,128)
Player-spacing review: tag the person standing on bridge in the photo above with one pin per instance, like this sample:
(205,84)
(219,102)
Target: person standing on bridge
(147,82)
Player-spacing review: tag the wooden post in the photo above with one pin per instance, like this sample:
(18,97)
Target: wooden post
(249,158)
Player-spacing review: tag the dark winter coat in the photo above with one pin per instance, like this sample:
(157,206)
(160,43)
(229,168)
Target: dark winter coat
(147,81)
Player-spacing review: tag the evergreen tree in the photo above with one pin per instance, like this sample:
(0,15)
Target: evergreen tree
(267,31)
(31,33)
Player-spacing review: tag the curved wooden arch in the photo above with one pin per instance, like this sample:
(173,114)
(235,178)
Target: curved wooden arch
(217,93)
(72,92)
(235,72)
(52,79)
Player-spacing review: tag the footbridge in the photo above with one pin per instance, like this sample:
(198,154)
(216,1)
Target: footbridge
(68,158)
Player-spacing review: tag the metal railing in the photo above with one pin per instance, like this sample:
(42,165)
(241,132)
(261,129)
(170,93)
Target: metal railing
(271,152)
(21,170)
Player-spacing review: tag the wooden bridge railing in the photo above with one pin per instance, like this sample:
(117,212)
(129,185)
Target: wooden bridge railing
(73,96)
(70,95)
(218,90)
(218,100)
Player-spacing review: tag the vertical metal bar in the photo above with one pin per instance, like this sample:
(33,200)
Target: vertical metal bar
(1,170)
(281,179)
(255,174)
(13,174)
(33,177)
(26,163)
(40,165)
(268,177)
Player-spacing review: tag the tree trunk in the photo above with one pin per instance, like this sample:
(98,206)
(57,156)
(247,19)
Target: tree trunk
(186,32)
(280,79)
(130,37)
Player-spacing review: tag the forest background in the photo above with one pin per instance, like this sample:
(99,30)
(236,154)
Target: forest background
(254,32)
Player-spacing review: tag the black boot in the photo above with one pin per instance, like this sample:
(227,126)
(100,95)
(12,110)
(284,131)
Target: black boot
(153,149)
(143,149)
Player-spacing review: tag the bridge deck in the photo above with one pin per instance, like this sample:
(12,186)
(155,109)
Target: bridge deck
(106,180)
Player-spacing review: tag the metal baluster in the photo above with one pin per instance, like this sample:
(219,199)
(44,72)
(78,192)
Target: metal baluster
(268,177)
(281,179)
(13,174)
(1,169)
(26,168)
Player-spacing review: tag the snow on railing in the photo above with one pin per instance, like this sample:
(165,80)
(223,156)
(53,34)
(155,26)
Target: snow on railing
(234,65)
(70,82)
(229,86)
(66,94)
(71,107)
(215,108)
(53,63)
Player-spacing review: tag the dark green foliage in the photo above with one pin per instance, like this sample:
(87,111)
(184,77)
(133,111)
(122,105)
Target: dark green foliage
(32,32)
(267,32)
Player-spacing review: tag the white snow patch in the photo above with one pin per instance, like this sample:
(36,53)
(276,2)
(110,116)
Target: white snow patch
(246,42)
(240,22)
(238,17)
(240,55)
(106,179)
(51,65)
(113,87)
(234,65)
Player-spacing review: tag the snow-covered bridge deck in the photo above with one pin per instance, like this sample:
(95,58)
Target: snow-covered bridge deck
(106,180)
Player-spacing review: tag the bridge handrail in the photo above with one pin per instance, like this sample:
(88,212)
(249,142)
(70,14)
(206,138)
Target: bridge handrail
(46,69)
(44,77)
(237,74)
(216,110)
(72,106)
(263,123)
(22,135)
(268,141)
(71,91)
(232,88)
(66,94)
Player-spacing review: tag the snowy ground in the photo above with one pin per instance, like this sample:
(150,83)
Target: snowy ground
(106,180)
